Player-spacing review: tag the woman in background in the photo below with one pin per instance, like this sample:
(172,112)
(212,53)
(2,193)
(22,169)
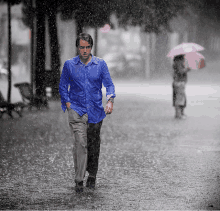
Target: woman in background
(179,83)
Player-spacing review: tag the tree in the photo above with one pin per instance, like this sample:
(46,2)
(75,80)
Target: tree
(9,4)
(40,47)
(54,44)
(28,19)
(44,9)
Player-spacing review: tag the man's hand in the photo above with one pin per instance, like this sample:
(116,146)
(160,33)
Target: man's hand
(68,105)
(109,107)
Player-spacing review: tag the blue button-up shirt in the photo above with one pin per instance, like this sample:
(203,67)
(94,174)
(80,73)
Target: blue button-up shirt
(81,85)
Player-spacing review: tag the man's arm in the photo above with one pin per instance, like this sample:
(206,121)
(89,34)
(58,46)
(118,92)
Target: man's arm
(63,87)
(110,88)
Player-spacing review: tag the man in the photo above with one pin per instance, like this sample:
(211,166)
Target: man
(81,94)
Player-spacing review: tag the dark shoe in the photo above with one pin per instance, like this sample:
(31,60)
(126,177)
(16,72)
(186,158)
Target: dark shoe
(91,182)
(79,187)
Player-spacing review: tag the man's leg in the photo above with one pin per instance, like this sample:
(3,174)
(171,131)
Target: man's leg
(93,141)
(78,127)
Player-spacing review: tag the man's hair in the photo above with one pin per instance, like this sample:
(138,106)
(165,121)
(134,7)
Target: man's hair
(86,37)
(178,58)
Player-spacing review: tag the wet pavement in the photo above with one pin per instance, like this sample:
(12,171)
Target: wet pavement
(148,160)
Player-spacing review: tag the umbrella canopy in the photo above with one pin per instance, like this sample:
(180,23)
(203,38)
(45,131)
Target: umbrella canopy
(184,48)
(195,60)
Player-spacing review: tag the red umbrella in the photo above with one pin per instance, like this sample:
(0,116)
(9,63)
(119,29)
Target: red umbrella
(184,48)
(195,60)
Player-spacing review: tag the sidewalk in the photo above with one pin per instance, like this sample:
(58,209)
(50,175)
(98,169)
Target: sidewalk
(148,160)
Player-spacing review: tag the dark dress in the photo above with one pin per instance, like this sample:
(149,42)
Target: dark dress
(179,83)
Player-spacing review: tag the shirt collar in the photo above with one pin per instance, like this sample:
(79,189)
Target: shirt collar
(77,60)
(94,60)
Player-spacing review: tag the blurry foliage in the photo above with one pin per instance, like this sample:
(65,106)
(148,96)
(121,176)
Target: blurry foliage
(151,15)
(154,15)
(48,7)
(93,13)
(28,13)
(12,2)
(211,9)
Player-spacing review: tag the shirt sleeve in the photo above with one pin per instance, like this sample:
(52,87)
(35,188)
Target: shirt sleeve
(107,81)
(63,86)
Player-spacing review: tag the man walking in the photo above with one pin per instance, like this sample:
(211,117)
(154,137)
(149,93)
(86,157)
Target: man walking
(81,94)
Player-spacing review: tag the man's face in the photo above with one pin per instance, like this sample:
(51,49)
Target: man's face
(84,49)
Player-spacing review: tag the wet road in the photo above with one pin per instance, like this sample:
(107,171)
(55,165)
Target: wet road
(148,159)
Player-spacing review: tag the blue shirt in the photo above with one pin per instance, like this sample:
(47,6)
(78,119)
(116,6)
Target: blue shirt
(81,85)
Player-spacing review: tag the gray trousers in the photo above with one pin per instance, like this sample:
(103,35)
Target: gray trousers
(78,126)
(86,144)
